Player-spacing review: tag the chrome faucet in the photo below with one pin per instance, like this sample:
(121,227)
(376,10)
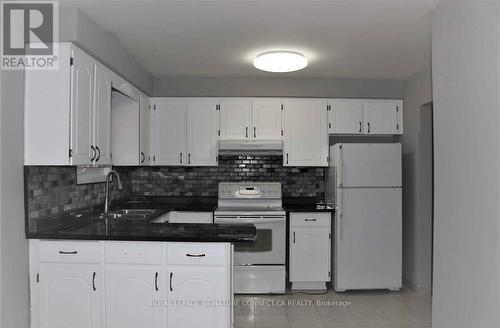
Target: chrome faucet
(119,185)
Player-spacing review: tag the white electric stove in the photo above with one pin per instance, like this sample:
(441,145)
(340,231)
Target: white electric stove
(259,268)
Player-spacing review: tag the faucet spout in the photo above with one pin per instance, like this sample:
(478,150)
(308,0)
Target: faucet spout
(118,184)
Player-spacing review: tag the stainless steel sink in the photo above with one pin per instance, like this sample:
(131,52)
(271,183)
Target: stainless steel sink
(132,214)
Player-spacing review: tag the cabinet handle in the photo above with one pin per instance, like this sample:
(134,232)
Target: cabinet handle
(93,282)
(246,131)
(360,126)
(287,158)
(368,124)
(189,158)
(93,153)
(68,253)
(143,157)
(195,255)
(156,281)
(171,275)
(294,237)
(310,220)
(180,157)
(98,153)
(254,132)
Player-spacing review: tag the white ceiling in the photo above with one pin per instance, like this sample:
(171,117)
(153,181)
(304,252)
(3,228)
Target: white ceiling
(342,39)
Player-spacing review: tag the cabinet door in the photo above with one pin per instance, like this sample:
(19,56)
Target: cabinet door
(382,116)
(102,115)
(202,133)
(69,296)
(306,135)
(235,119)
(194,284)
(145,130)
(82,95)
(345,116)
(169,138)
(310,253)
(133,296)
(266,119)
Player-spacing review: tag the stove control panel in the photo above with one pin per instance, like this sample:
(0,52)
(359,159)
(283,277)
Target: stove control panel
(234,190)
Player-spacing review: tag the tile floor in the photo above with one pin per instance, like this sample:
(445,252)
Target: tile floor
(378,309)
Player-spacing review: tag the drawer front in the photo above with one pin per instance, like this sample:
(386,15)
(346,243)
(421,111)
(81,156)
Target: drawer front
(133,252)
(310,219)
(197,254)
(68,251)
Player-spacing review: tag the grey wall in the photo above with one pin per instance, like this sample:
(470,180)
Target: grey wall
(279,87)
(417,229)
(14,299)
(76,26)
(465,59)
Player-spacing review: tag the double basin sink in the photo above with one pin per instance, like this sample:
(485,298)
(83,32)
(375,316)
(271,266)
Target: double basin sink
(130,214)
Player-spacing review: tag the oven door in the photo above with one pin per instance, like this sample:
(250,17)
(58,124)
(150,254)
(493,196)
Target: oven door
(268,248)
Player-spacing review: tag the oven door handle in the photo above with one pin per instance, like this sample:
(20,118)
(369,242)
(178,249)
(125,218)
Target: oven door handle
(250,220)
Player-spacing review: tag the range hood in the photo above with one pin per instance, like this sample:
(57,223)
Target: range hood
(252,147)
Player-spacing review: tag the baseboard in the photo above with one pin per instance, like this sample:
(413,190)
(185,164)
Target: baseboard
(419,290)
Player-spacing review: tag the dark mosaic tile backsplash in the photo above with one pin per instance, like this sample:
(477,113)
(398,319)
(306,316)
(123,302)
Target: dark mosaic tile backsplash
(53,190)
(203,181)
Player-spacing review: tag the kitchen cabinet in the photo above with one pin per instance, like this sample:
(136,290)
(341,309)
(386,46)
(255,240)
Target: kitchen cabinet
(365,117)
(235,119)
(69,296)
(305,133)
(68,112)
(169,131)
(266,119)
(257,119)
(83,151)
(201,132)
(383,116)
(127,284)
(198,273)
(185,132)
(125,130)
(102,115)
(345,116)
(145,130)
(310,249)
(130,291)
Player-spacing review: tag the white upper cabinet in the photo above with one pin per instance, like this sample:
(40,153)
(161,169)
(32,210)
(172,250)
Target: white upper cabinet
(383,116)
(365,116)
(69,296)
(125,126)
(169,132)
(345,116)
(130,291)
(145,130)
(201,132)
(82,104)
(235,119)
(305,133)
(266,119)
(102,115)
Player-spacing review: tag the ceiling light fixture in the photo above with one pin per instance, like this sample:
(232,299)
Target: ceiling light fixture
(280,61)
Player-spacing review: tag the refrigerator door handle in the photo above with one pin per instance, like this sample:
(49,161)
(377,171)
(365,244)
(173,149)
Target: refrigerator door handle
(340,165)
(340,220)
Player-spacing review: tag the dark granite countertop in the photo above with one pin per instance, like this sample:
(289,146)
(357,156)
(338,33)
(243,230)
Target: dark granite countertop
(88,224)
(305,204)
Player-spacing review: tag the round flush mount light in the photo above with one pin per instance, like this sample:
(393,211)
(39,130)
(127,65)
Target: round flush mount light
(280,61)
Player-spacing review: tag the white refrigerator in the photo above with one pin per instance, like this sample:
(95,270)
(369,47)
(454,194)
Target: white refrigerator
(364,186)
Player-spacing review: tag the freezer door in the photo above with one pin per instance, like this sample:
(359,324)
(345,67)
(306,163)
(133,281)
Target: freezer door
(368,246)
(368,165)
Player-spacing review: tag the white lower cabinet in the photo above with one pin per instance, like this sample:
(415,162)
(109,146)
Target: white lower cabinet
(69,295)
(310,249)
(130,284)
(133,296)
